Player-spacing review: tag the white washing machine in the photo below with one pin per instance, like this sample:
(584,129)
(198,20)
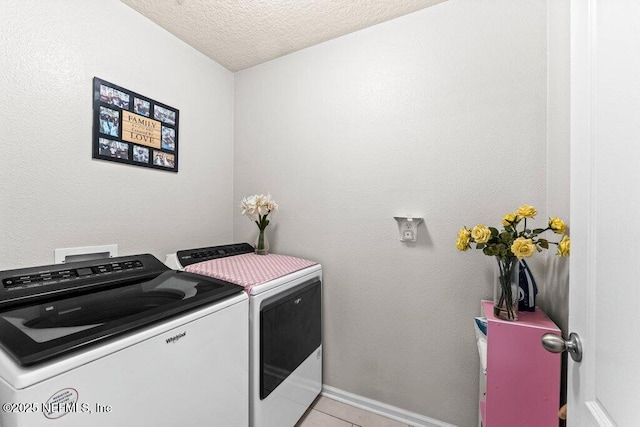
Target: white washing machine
(285,347)
(121,342)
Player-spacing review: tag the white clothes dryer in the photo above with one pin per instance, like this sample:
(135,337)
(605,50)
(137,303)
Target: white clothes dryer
(285,331)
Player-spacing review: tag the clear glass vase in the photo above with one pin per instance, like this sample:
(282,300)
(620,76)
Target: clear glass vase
(262,243)
(506,289)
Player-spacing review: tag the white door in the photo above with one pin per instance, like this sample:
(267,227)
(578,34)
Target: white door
(604,309)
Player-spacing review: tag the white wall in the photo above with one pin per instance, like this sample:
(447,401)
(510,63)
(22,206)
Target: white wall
(52,194)
(441,114)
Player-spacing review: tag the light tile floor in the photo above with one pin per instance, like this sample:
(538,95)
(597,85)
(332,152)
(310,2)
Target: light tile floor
(327,412)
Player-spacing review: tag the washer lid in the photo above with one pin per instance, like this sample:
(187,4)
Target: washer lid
(48,328)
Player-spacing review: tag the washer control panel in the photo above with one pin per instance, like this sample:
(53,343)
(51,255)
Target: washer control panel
(24,285)
(51,277)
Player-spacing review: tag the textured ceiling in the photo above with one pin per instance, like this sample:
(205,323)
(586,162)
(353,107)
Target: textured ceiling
(239,34)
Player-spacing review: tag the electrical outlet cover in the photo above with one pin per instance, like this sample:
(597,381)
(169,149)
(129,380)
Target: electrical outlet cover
(408,228)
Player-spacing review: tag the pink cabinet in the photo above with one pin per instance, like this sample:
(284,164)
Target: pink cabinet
(522,383)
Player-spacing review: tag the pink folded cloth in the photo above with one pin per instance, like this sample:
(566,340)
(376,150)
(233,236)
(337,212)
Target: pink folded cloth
(250,270)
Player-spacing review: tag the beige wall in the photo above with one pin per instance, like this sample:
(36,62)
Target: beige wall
(440,114)
(52,194)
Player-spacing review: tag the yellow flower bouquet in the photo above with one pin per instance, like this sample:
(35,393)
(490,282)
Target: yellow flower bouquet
(509,246)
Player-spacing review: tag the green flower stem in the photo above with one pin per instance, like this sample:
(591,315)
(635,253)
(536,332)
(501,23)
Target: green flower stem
(505,266)
(260,245)
(262,223)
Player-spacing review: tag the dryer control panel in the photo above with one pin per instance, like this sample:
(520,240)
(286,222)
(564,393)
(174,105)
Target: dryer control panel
(193,256)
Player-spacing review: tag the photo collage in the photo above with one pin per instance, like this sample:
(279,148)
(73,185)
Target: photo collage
(133,129)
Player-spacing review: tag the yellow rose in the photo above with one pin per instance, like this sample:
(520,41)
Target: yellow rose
(509,219)
(464,233)
(564,247)
(481,234)
(462,242)
(526,211)
(523,248)
(557,225)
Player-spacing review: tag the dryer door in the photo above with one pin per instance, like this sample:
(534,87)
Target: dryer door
(290,330)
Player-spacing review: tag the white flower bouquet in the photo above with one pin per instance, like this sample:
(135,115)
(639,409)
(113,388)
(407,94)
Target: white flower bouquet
(257,208)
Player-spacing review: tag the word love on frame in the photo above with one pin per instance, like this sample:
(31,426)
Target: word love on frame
(133,129)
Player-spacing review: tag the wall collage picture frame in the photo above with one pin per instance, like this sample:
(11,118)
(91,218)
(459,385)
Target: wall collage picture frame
(133,129)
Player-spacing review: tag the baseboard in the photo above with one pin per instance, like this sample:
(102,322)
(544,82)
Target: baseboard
(393,412)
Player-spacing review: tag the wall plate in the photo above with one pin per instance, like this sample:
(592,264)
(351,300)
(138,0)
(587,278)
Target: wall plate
(408,228)
(84,253)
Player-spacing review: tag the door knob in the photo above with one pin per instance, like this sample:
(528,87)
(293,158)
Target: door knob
(556,344)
